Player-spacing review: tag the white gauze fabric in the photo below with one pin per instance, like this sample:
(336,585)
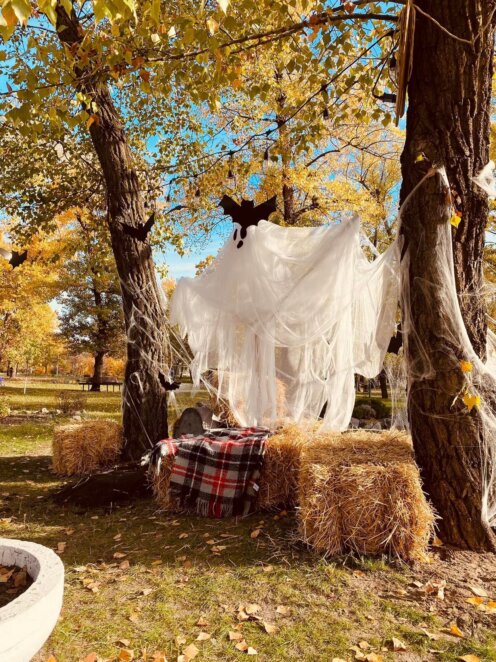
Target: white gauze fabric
(288,319)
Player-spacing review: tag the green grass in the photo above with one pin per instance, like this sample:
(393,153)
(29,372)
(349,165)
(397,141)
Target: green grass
(173,579)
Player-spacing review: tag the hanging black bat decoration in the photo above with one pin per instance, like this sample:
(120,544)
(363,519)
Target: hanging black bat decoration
(140,232)
(168,386)
(396,342)
(13,257)
(246,214)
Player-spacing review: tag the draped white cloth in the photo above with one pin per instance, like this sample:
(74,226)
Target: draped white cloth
(288,319)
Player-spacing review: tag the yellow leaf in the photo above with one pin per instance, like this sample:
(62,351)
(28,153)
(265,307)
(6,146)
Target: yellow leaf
(251,651)
(212,25)
(223,4)
(466,366)
(255,533)
(420,158)
(475,601)
(455,631)
(469,658)
(455,220)
(125,655)
(52,658)
(471,401)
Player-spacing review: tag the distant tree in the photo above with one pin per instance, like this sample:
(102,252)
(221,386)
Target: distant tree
(91,319)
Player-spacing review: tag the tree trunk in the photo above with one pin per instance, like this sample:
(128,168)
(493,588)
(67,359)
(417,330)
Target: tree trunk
(96,380)
(383,385)
(449,121)
(144,397)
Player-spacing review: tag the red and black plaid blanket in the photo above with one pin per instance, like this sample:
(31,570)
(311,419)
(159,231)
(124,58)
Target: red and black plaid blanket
(216,473)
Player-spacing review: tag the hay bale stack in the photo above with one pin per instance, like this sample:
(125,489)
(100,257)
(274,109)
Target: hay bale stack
(279,476)
(361,492)
(85,447)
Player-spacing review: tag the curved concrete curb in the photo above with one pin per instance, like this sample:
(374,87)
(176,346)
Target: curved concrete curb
(27,621)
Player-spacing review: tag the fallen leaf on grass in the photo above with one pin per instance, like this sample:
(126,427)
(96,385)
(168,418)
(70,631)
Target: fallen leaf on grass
(52,658)
(373,657)
(190,652)
(203,636)
(364,645)
(398,645)
(284,611)
(180,640)
(268,568)
(202,622)
(251,651)
(123,642)
(269,628)
(255,533)
(469,658)
(252,608)
(242,646)
(479,591)
(124,565)
(235,636)
(125,655)
(159,657)
(182,536)
(69,532)
(455,631)
(61,547)
(338,659)
(146,591)
(119,555)
(491,606)
(475,601)
(157,562)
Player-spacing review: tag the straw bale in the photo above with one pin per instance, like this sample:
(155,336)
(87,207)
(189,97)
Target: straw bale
(85,447)
(281,466)
(160,481)
(361,492)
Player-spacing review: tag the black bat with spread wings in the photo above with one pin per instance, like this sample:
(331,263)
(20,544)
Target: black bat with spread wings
(246,214)
(140,232)
(13,257)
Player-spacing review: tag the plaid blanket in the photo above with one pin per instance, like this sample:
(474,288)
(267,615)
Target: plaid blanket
(216,473)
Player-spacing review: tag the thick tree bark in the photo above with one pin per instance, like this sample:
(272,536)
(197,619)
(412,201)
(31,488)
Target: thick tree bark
(96,379)
(449,121)
(144,398)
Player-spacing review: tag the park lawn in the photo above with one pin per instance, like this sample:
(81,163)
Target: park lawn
(141,580)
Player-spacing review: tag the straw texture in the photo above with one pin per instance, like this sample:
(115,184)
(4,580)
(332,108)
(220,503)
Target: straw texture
(361,492)
(85,447)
